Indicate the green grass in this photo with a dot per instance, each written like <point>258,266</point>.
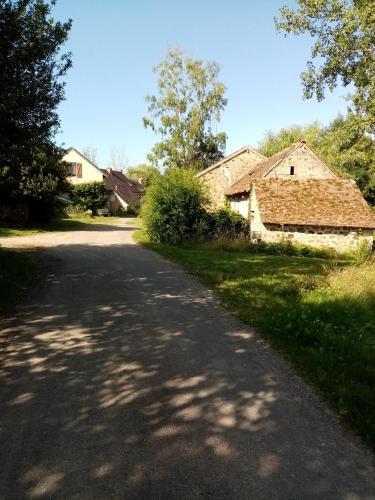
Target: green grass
<point>318,312</point>
<point>16,268</point>
<point>63,224</point>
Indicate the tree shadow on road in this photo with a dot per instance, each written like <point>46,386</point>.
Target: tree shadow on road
<point>125,379</point>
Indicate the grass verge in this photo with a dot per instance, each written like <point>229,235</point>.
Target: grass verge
<point>16,268</point>
<point>64,224</point>
<point>318,312</point>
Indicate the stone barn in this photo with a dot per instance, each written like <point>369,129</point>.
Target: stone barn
<point>295,162</point>
<point>321,213</point>
<point>219,176</point>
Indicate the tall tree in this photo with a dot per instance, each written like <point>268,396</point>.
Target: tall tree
<point>31,68</point>
<point>274,142</point>
<point>185,112</point>
<point>344,34</point>
<point>147,173</point>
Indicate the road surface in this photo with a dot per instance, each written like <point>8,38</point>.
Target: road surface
<point>122,377</point>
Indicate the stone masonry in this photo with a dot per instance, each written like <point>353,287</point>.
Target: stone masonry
<point>219,177</point>
<point>306,166</point>
<point>338,238</point>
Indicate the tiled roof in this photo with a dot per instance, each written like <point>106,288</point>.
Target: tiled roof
<point>327,202</point>
<point>259,171</point>
<point>129,190</point>
<point>229,157</point>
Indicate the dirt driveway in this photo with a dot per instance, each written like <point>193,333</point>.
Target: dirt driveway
<point>121,377</point>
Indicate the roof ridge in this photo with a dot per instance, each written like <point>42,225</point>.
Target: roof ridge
<point>72,148</point>
<point>229,157</point>
<point>316,202</point>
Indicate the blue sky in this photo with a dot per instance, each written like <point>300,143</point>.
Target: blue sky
<point>115,44</point>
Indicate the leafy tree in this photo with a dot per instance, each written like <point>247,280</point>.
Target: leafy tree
<point>30,91</point>
<point>344,45</point>
<point>350,151</point>
<point>185,111</point>
<point>276,141</point>
<point>174,207</point>
<point>89,196</point>
<point>148,173</point>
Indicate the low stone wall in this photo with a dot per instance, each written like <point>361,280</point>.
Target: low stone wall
<point>339,238</point>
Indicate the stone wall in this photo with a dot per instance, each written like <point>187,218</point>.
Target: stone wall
<point>339,238</point>
<point>306,166</point>
<point>221,177</point>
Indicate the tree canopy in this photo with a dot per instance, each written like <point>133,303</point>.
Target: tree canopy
<point>344,46</point>
<point>148,173</point>
<point>89,196</point>
<point>31,88</point>
<point>185,112</point>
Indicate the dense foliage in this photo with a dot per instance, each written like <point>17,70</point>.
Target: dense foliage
<point>347,150</point>
<point>344,46</point>
<point>185,112</point>
<point>148,174</point>
<point>89,196</point>
<point>225,224</point>
<point>174,212</point>
<point>30,90</point>
<point>173,207</point>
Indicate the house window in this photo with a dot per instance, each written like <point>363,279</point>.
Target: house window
<point>291,170</point>
<point>72,169</point>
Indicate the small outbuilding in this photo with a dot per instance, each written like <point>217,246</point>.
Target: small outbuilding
<point>294,195</point>
<point>322,213</point>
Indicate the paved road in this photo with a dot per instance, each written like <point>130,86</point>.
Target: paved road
<point>121,377</point>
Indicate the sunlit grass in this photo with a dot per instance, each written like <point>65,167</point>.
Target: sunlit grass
<point>61,224</point>
<point>319,312</point>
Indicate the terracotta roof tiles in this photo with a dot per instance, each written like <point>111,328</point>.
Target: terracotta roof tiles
<point>328,202</point>
<point>129,190</point>
<point>258,171</point>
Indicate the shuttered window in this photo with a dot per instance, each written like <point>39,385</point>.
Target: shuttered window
<point>72,169</point>
<point>79,170</point>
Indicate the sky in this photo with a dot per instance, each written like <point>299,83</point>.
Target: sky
<point>116,43</point>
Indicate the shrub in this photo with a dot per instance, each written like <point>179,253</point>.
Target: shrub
<point>173,210</point>
<point>227,224</point>
<point>243,244</point>
<point>75,211</point>
<point>89,196</point>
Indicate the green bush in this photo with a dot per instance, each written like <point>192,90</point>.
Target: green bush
<point>243,244</point>
<point>292,249</point>
<point>89,196</point>
<point>226,224</point>
<point>75,211</point>
<point>173,210</point>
